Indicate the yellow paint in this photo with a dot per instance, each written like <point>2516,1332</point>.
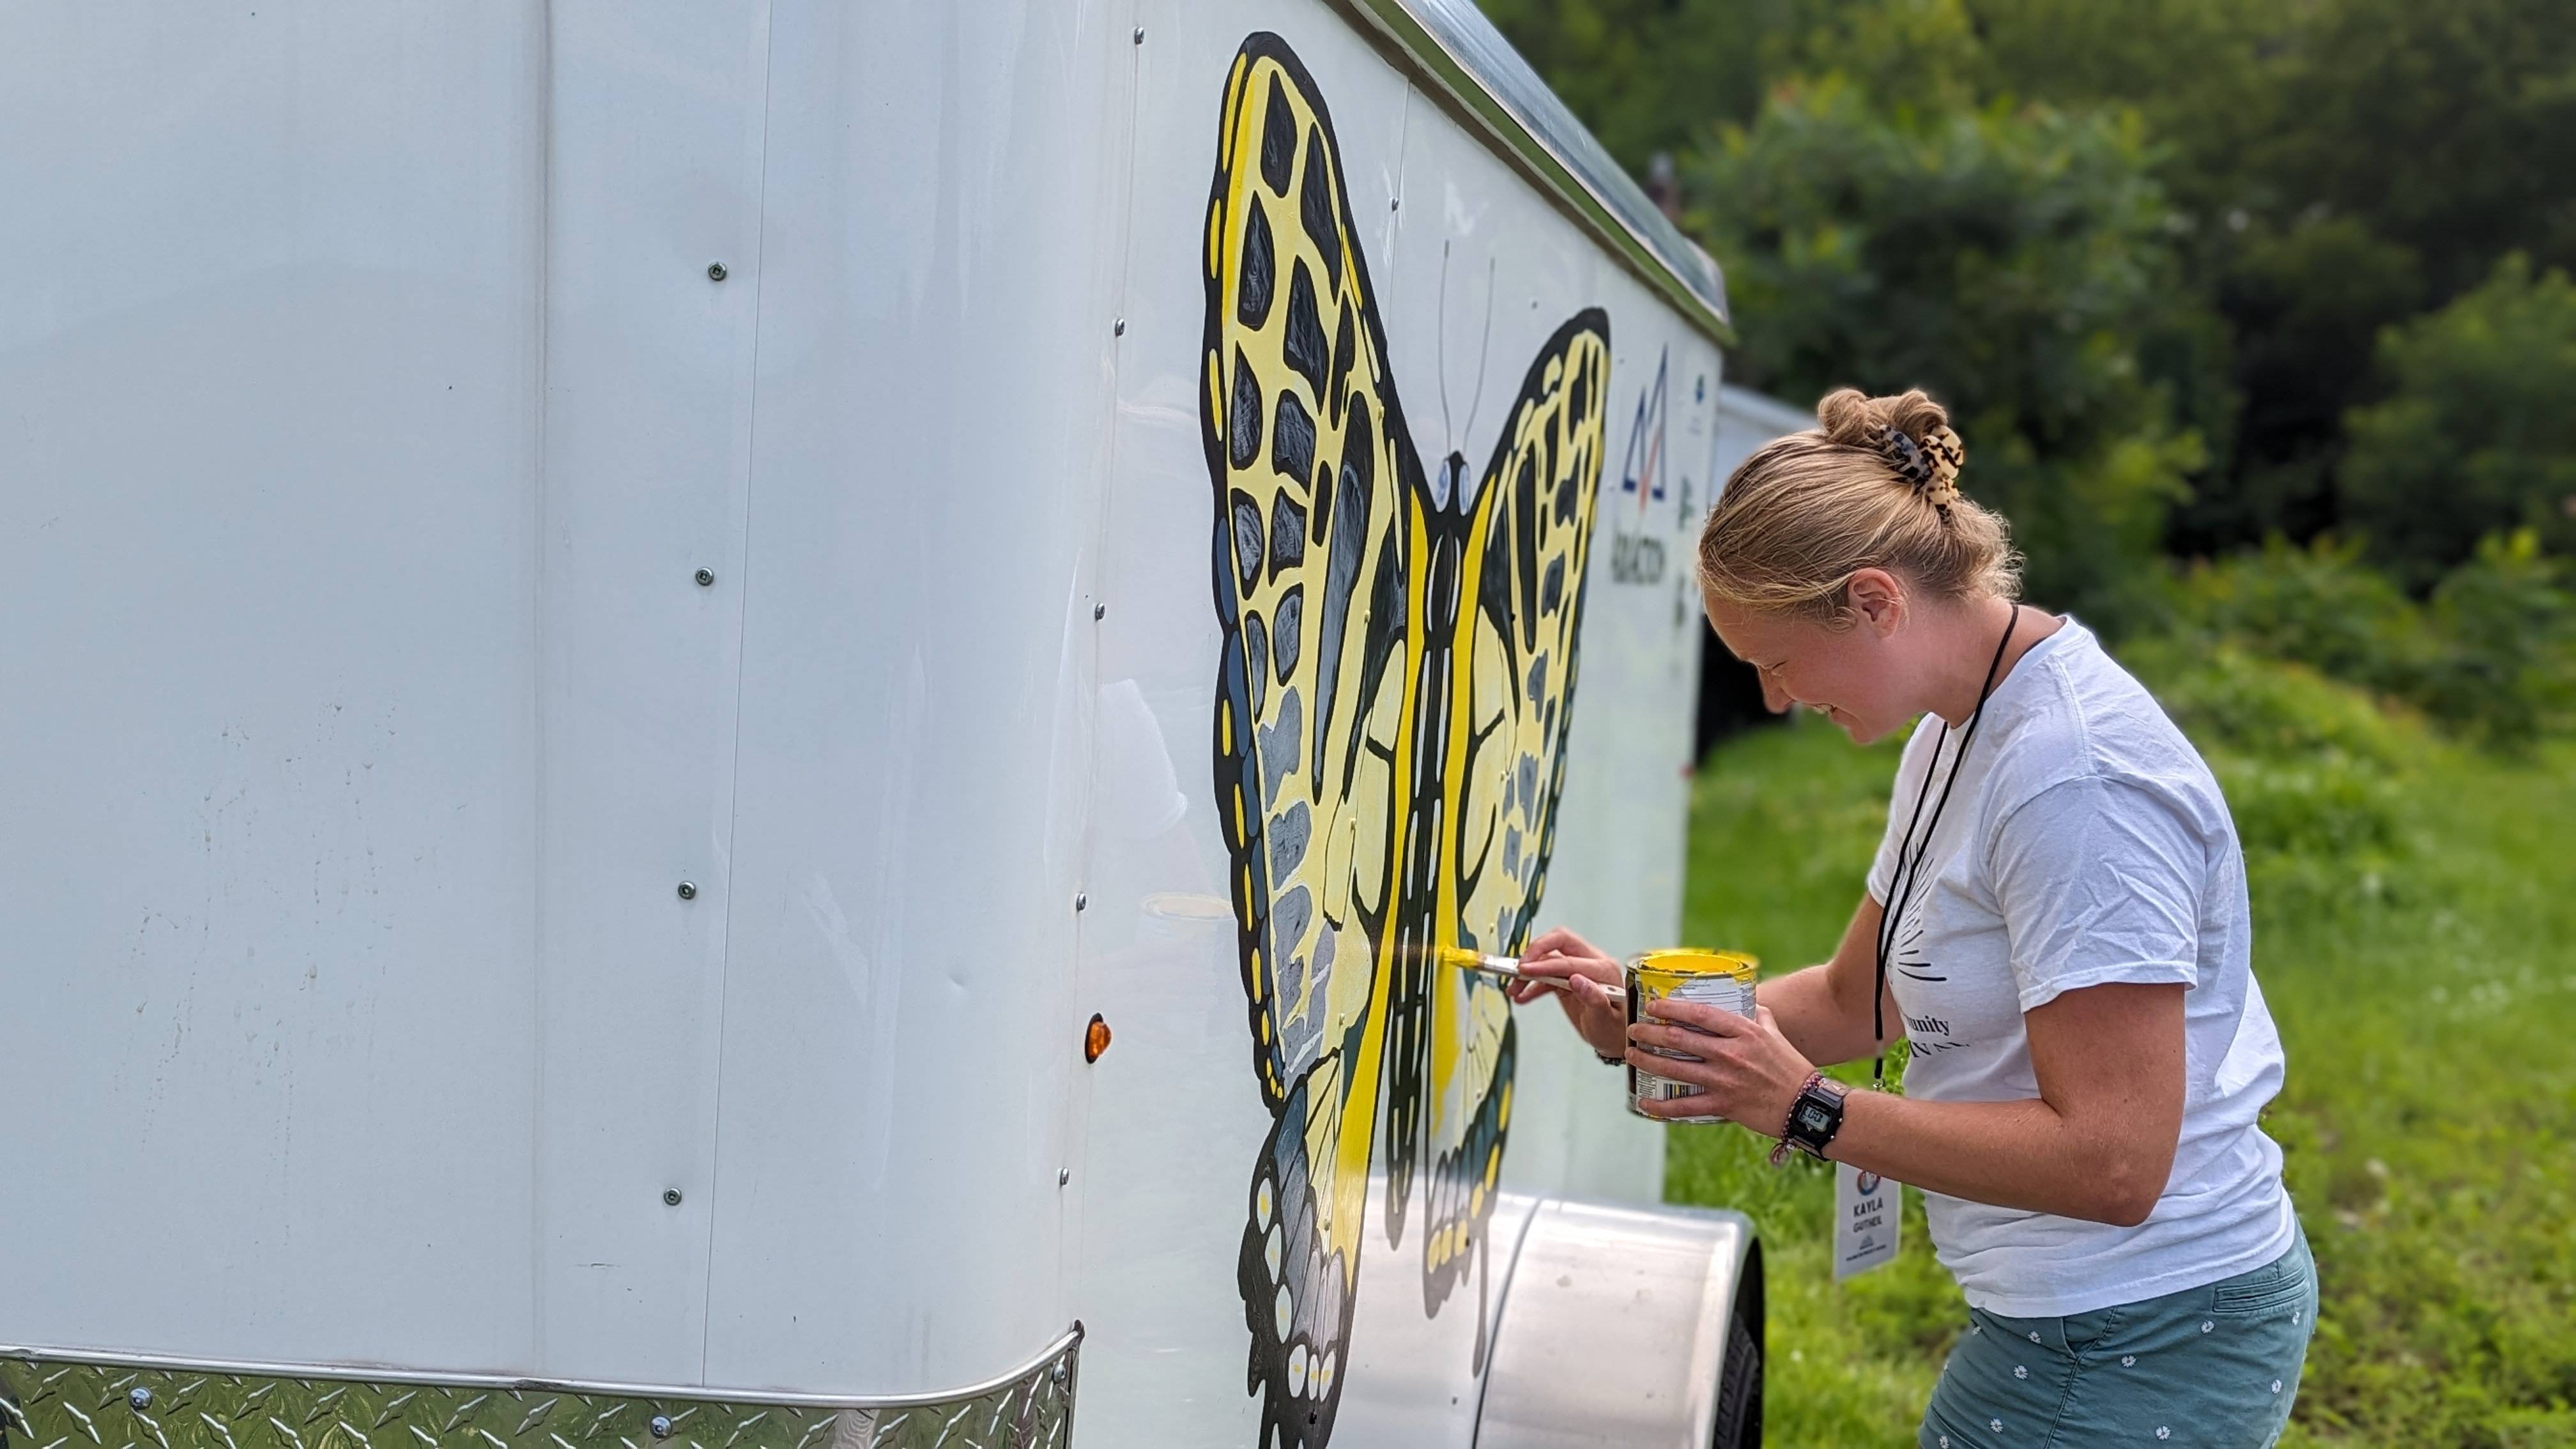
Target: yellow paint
<point>1660,973</point>
<point>1447,1040</point>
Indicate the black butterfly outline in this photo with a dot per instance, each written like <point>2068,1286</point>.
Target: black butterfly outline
<point>1392,606</point>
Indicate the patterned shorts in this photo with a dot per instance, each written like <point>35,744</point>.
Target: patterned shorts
<point>2214,1367</point>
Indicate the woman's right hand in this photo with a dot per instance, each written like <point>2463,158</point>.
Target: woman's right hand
<point>1595,995</point>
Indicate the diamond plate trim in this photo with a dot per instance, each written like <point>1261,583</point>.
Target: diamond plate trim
<point>52,1400</point>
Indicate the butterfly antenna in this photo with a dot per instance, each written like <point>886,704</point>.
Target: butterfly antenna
<point>1483,348</point>
<point>1440,330</point>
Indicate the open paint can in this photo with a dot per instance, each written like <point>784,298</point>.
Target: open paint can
<point>1710,978</point>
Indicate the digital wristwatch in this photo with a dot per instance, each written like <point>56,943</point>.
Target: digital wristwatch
<point>1816,1116</point>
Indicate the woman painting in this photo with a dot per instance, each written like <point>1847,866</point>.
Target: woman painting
<point>2056,926</point>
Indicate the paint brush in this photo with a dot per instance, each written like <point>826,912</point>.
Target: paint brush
<point>1500,968</point>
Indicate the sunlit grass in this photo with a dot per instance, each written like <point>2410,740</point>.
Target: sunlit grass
<point>2414,941</point>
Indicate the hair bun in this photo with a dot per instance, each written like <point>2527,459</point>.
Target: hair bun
<point>1910,433</point>
<point>1805,512</point>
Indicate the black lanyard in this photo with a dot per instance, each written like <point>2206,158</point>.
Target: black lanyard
<point>1909,872</point>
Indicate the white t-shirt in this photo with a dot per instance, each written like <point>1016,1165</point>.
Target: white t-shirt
<point>2085,842</point>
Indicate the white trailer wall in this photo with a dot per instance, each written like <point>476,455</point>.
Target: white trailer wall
<point>371,409</point>
<point>271,859</point>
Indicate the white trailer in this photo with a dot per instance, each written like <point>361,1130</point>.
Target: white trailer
<point>635,630</point>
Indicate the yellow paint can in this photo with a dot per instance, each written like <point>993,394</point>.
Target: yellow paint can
<point>1709,978</point>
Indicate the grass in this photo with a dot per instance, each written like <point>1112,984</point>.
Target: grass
<point>2414,909</point>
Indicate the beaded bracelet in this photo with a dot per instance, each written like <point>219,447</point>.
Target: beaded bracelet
<point>1781,1149</point>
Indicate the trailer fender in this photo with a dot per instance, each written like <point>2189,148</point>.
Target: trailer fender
<point>1628,1326</point>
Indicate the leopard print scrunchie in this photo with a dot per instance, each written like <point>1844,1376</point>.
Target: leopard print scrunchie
<point>1930,467</point>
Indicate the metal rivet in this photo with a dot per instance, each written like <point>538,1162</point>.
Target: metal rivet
<point>1140,35</point>
<point>1118,328</point>
<point>1100,611</point>
<point>660,1424</point>
<point>715,271</point>
<point>706,578</point>
<point>1081,901</point>
<point>1063,1175</point>
<point>1058,1374</point>
<point>670,1197</point>
<point>139,1400</point>
<point>688,891</point>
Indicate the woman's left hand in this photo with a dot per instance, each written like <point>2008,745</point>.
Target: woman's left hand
<point>1747,1072</point>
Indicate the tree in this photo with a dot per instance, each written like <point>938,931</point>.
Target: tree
<point>2449,129</point>
<point>2008,260</point>
<point>2301,306</point>
<point>1649,76</point>
<point>2329,168</point>
<point>2472,438</point>
<point>2339,165</point>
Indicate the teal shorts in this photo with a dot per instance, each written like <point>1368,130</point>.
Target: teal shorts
<point>2214,1367</point>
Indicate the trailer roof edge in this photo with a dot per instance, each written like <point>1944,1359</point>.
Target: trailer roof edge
<point>1451,44</point>
<point>1764,409</point>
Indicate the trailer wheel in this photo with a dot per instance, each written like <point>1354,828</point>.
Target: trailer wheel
<point>1739,1389</point>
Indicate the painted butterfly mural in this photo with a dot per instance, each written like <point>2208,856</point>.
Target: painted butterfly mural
<point>1391,719</point>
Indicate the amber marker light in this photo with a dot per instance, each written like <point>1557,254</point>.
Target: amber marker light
<point>1095,1038</point>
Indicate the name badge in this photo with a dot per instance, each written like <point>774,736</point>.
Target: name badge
<point>1868,1211</point>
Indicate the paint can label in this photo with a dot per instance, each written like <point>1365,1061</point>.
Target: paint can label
<point>1722,979</point>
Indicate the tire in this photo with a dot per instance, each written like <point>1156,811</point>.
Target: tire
<point>1739,1388</point>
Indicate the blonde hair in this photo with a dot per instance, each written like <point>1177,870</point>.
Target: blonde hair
<point>1874,485</point>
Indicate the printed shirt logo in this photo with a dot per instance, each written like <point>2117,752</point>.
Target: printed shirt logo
<point>1924,1035</point>
<point>1911,961</point>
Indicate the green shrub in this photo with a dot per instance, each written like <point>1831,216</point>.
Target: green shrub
<point>2319,605</point>
<point>2491,656</point>
<point>2506,671</point>
<point>2310,767</point>
<point>2325,810</point>
<point>2227,697</point>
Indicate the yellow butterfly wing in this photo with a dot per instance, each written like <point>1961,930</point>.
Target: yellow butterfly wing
<point>1390,721</point>
<point>1512,664</point>
<point>1311,463</point>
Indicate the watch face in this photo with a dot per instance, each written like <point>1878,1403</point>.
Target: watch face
<point>1813,1118</point>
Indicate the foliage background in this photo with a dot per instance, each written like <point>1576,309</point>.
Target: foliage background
<point>2256,317</point>
<point>2192,273</point>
